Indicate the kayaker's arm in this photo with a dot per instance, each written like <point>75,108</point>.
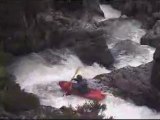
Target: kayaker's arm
<point>74,79</point>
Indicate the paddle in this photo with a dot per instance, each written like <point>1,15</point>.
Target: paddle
<point>77,70</point>
<point>74,76</point>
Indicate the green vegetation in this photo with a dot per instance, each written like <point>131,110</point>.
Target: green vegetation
<point>89,110</point>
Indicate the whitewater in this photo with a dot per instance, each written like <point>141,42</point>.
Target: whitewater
<point>38,73</point>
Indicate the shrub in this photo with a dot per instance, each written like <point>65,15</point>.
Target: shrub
<point>89,110</point>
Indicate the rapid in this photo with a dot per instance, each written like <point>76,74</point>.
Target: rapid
<point>39,73</point>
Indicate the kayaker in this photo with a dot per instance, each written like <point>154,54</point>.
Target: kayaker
<point>81,85</point>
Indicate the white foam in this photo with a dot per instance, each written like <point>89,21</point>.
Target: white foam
<point>135,59</point>
<point>36,77</point>
<point>119,109</point>
<point>109,12</point>
<point>129,30</point>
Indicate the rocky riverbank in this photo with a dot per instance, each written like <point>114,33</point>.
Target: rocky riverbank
<point>28,26</point>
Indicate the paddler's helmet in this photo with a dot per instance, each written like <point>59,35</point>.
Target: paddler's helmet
<point>79,77</point>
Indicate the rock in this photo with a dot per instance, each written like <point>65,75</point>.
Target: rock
<point>156,15</point>
<point>4,78</point>
<point>24,32</point>
<point>152,37</point>
<point>5,58</point>
<point>92,9</point>
<point>26,102</point>
<point>155,75</point>
<point>91,47</point>
<point>156,69</point>
<point>42,112</point>
<point>39,26</point>
<point>128,47</point>
<point>133,83</point>
<point>14,26</point>
<point>142,10</point>
<point>81,9</point>
<point>47,112</point>
<point>14,100</point>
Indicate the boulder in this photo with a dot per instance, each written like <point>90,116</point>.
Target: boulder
<point>133,83</point>
<point>142,10</point>
<point>155,76</point>
<point>14,100</point>
<point>90,46</point>
<point>152,37</point>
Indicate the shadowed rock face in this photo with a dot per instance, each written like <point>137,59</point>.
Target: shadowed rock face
<point>152,37</point>
<point>146,11</point>
<point>89,45</point>
<point>20,21</point>
<point>32,26</point>
<point>133,83</point>
<point>155,77</point>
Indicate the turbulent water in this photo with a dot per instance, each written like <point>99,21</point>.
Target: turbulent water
<point>39,73</point>
<point>125,46</point>
<point>109,12</point>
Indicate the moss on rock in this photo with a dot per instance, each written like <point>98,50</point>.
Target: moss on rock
<point>15,100</point>
<point>3,72</point>
<point>5,58</point>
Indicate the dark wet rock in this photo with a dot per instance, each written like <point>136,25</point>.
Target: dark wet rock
<point>40,26</point>
<point>155,77</point>
<point>128,47</point>
<point>152,37</point>
<point>87,111</point>
<point>15,100</point>
<point>92,9</point>
<point>21,31</point>
<point>85,39</point>
<point>42,112</point>
<point>133,83</point>
<point>91,47</point>
<point>156,55</point>
<point>12,98</point>
<point>81,9</point>
<point>143,10</point>
<point>5,58</point>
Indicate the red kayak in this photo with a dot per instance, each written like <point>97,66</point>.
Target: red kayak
<point>93,94</point>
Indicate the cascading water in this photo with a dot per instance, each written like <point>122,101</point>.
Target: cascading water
<point>109,12</point>
<point>126,47</point>
<point>39,73</point>
<point>124,40</point>
<point>35,76</point>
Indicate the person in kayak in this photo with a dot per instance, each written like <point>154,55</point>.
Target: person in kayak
<point>81,85</point>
